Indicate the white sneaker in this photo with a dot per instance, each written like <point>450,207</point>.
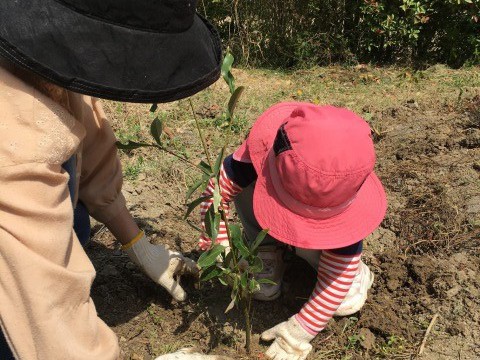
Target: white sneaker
<point>357,295</point>
<point>273,269</point>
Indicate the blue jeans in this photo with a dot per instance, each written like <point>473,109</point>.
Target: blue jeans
<point>81,225</point>
<point>81,219</point>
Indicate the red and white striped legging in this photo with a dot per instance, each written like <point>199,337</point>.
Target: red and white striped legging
<point>334,278</point>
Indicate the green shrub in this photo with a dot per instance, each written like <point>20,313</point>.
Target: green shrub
<point>309,32</point>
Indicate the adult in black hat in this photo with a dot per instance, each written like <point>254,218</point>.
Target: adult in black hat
<point>58,155</point>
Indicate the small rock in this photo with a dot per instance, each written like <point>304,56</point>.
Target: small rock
<point>453,291</point>
<point>138,191</point>
<point>412,104</point>
<point>109,270</point>
<point>473,205</point>
<point>400,154</point>
<point>393,284</point>
<point>122,339</point>
<point>135,356</point>
<point>367,339</point>
<point>141,177</point>
<point>456,328</point>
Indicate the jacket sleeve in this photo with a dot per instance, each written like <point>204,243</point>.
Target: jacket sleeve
<point>101,174</point>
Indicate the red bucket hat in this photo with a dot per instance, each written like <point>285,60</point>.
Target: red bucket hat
<point>316,188</point>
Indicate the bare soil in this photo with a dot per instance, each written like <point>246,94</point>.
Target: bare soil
<point>425,256</point>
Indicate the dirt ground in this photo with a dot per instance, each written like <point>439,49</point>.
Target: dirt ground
<point>425,255</point>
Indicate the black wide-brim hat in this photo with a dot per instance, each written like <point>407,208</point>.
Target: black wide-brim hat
<point>145,51</point>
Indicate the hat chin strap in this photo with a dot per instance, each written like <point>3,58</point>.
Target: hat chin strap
<point>296,206</point>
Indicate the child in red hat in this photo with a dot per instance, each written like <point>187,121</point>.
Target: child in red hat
<point>305,172</point>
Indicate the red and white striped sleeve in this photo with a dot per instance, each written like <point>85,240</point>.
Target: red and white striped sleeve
<point>334,278</point>
<point>228,190</point>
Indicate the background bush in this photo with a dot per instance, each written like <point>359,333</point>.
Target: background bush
<point>290,33</point>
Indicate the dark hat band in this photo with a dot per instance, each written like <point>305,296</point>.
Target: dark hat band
<point>282,142</point>
<point>165,16</point>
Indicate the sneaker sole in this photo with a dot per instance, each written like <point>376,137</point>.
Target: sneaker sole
<point>262,297</point>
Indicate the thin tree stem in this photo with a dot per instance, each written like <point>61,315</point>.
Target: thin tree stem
<point>200,133</point>
<point>246,313</point>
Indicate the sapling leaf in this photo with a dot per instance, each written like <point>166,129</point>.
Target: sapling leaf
<point>222,281</point>
<point>153,108</point>
<point>210,273</point>
<point>226,277</point>
<point>258,240</point>
<point>212,223</point>
<point>217,197</point>
<point>195,186</point>
<point>218,162</point>
<point>205,168</point>
<point>232,103</point>
<point>253,285</point>
<point>244,280</point>
<point>191,206</point>
<point>209,220</point>
<point>209,257</point>
<point>235,284</point>
<point>266,281</point>
<point>194,227</point>
<point>227,64</point>
<point>237,240</point>
<point>216,223</point>
<point>226,71</point>
<point>230,306</point>
<point>131,145</point>
<point>228,259</point>
<point>257,265</point>
<point>235,231</point>
<point>156,129</point>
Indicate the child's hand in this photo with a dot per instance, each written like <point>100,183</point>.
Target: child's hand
<point>291,341</point>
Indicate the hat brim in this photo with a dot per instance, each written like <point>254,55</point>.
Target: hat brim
<point>356,222</point>
<point>96,58</point>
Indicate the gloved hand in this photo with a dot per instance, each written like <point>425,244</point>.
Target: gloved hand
<point>291,341</point>
<point>160,264</point>
<point>228,190</point>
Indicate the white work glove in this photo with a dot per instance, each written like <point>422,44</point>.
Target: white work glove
<point>291,341</point>
<point>189,354</point>
<point>160,264</point>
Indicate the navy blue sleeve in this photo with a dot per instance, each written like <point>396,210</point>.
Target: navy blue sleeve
<point>353,249</point>
<point>243,174</point>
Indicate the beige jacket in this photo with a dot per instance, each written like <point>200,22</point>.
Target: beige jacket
<point>45,276</point>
